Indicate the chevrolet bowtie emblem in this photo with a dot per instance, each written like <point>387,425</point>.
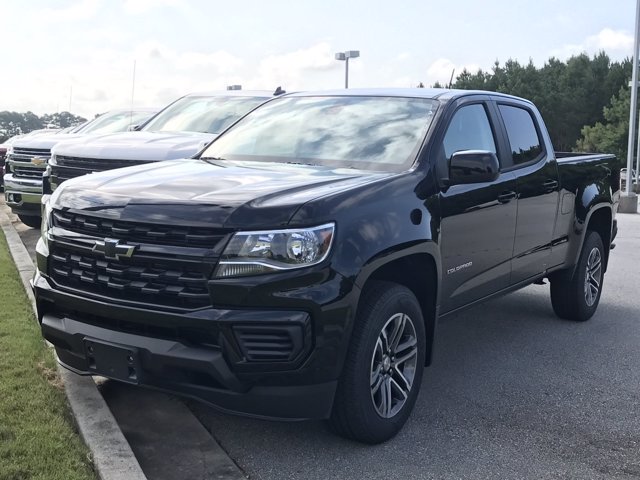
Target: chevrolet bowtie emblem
<point>38,160</point>
<point>112,248</point>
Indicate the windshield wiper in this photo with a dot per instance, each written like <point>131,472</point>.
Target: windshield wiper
<point>211,160</point>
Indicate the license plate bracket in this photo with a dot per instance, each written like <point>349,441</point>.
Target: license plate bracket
<point>113,361</point>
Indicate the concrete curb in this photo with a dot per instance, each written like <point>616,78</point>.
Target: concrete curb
<point>112,456</point>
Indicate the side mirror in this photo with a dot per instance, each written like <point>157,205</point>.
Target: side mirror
<point>473,166</point>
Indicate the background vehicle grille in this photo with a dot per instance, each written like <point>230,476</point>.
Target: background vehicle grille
<point>20,162</point>
<point>139,232</point>
<point>145,279</point>
<point>27,153</point>
<point>70,167</point>
<point>27,171</point>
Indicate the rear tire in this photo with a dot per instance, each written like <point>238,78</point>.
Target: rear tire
<point>31,220</point>
<point>383,369</point>
<point>577,297</point>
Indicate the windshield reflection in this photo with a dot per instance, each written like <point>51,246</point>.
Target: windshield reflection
<point>112,122</point>
<point>357,132</point>
<point>202,114</point>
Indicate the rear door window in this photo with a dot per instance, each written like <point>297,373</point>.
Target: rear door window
<point>522,133</point>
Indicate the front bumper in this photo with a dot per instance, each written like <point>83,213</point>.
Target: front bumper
<point>23,195</point>
<point>213,370</point>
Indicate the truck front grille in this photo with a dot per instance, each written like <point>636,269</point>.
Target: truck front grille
<point>25,171</point>
<point>28,153</point>
<point>140,278</point>
<point>28,162</point>
<point>179,236</point>
<point>70,167</point>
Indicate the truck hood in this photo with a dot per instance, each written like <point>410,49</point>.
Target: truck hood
<point>45,141</point>
<point>144,146</point>
<point>198,192</point>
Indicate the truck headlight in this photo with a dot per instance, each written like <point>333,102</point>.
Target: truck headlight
<point>254,253</point>
<point>46,221</point>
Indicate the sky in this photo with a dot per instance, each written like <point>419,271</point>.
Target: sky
<point>79,55</point>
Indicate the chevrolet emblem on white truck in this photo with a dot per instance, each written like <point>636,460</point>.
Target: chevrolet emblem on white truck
<point>112,248</point>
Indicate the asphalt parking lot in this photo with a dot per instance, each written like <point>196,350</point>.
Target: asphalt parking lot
<point>514,392</point>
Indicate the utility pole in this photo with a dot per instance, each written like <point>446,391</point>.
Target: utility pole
<point>133,89</point>
<point>628,199</point>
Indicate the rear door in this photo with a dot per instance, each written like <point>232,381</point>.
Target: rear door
<point>477,221</point>
<point>534,165</point>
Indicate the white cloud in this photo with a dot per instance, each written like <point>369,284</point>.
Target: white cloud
<point>405,82</point>
<point>611,41</point>
<point>218,62</point>
<point>441,70</point>
<point>290,68</point>
<point>136,7</point>
<point>79,11</point>
<point>221,61</point>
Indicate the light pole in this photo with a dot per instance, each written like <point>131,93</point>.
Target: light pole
<point>628,199</point>
<point>346,56</point>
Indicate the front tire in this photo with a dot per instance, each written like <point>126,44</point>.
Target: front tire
<point>32,221</point>
<point>577,297</point>
<point>383,369</point>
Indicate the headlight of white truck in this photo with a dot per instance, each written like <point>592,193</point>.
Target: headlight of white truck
<point>46,222</point>
<point>254,253</point>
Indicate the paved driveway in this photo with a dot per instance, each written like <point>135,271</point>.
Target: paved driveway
<point>514,392</point>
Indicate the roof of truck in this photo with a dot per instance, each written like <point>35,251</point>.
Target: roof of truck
<point>234,93</point>
<point>445,94</point>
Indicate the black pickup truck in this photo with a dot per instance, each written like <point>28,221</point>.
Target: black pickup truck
<point>297,268</point>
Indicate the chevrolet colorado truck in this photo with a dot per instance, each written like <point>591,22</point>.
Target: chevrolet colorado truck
<point>27,160</point>
<point>297,268</point>
<point>181,130</point>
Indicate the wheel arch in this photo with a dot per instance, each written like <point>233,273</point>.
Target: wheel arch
<point>417,269</point>
<point>601,221</point>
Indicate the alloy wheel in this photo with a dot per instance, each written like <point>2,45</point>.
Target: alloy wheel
<point>593,276</point>
<point>393,365</point>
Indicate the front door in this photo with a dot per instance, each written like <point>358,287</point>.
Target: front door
<point>478,221</point>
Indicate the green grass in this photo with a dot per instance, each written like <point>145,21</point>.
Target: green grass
<point>38,439</point>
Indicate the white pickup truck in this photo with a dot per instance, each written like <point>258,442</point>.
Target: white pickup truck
<point>181,130</point>
<point>27,159</point>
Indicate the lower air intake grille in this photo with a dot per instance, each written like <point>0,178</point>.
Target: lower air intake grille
<point>270,343</point>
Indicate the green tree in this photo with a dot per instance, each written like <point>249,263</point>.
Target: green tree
<point>15,123</point>
<point>569,94</point>
<point>610,136</point>
<point>63,119</point>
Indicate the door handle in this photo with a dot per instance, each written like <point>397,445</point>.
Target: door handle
<point>506,197</point>
<point>550,185</point>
